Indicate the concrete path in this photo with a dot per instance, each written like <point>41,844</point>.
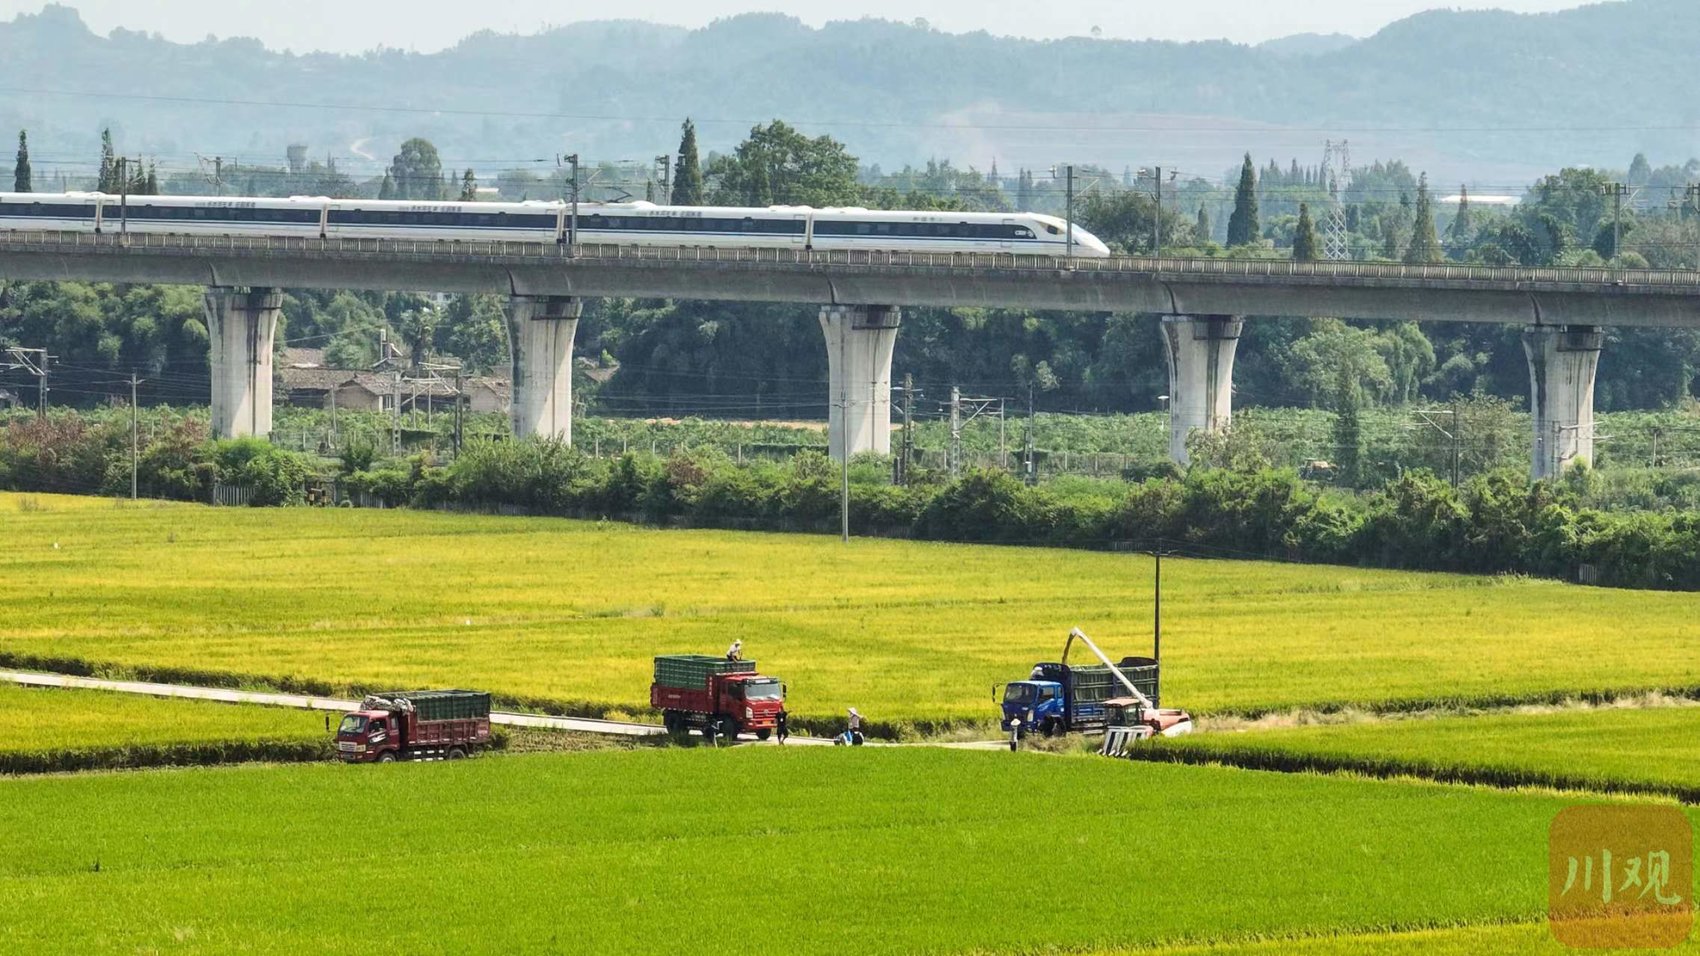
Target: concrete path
<point>584,725</point>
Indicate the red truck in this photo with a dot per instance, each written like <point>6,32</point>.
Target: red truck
<point>715,695</point>
<point>415,725</point>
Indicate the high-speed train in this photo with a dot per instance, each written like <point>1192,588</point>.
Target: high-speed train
<point>636,223</point>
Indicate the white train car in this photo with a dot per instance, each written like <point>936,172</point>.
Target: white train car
<point>638,223</point>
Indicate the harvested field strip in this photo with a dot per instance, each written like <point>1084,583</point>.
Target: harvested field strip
<point>596,852</point>
<point>1603,749</point>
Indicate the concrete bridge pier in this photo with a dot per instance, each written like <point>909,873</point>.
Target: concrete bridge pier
<point>1562,363</point>
<point>540,344</point>
<point>241,327</point>
<point>1200,349</point>
<point>859,344</point>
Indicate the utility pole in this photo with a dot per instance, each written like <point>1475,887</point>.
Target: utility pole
<point>1457,444</point>
<point>1032,471</point>
<point>844,436</point>
<point>1617,191</point>
<point>1157,620</point>
<point>395,414</point>
<point>460,401</point>
<point>135,431</point>
<point>572,226</point>
<point>908,429</point>
<point>1071,210</point>
<point>955,431</point>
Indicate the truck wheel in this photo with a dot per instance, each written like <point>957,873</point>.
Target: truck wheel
<point>764,733</point>
<point>1052,727</point>
<point>387,756</point>
<point>455,753</point>
<point>673,722</point>
<point>730,730</point>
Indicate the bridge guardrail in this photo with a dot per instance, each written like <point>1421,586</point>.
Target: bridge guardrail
<point>507,251</point>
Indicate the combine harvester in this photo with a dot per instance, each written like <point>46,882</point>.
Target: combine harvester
<point>1061,699</point>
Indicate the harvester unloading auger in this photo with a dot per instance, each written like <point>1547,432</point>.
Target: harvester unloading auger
<point>1131,718</point>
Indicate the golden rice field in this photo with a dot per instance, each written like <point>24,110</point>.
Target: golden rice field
<point>571,612</point>
<point>36,719</point>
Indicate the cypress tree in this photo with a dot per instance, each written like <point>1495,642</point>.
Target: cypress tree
<point>1348,427</point>
<point>468,186</point>
<point>386,190</point>
<point>150,182</point>
<point>1463,226</point>
<point>1389,237</point>
<point>21,175</point>
<point>1201,228</point>
<point>1024,192</point>
<point>1306,246</point>
<point>108,164</point>
<point>687,170</point>
<point>1242,225</point>
<point>1425,244</point>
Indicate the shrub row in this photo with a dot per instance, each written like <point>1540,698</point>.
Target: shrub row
<point>1495,523</point>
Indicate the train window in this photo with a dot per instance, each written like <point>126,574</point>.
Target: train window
<point>1022,232</point>
<point>1053,230</point>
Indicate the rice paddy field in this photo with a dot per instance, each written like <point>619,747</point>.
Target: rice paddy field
<point>569,613</point>
<point>1651,748</point>
<point>798,850</point>
<point>34,719</point>
<point>753,849</point>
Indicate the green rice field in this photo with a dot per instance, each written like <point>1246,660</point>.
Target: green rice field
<point>34,719</point>
<point>814,851</point>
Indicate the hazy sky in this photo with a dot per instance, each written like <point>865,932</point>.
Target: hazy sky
<point>353,25</point>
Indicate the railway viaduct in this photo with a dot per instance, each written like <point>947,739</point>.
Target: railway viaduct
<point>1204,304</point>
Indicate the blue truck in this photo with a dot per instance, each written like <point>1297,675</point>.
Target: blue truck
<point>1058,698</point>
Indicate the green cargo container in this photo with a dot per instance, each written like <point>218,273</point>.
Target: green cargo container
<point>435,705</point>
<point>693,670</point>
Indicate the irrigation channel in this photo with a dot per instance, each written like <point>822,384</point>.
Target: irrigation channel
<point>583,725</point>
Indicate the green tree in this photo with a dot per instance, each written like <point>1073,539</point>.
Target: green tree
<point>779,165</point>
<point>1242,225</point>
<point>687,170</point>
<point>386,189</point>
<point>1348,430</point>
<point>418,171</point>
<point>108,176</point>
<point>1425,244</point>
<point>1463,228</point>
<point>22,178</point>
<point>1306,246</point>
<point>1201,227</point>
<point>468,186</point>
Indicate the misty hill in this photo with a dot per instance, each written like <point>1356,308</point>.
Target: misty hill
<point>1490,96</point>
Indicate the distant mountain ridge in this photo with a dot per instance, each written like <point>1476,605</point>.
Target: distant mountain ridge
<point>1462,94</point>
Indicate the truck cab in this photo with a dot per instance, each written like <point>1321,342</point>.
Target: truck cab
<point>753,700</point>
<point>368,735</point>
<point>1037,704</point>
